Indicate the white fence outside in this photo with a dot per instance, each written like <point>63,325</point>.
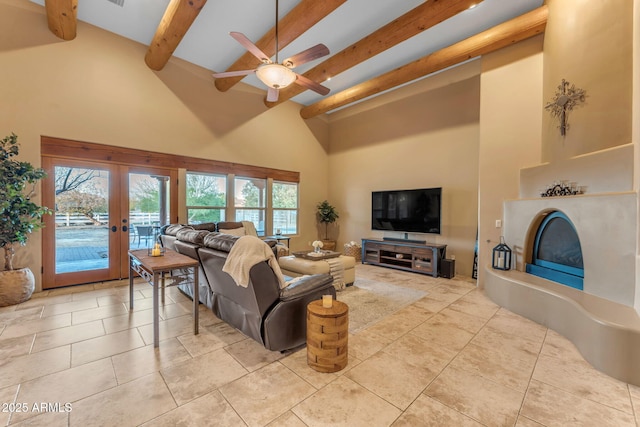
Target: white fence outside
<point>74,220</point>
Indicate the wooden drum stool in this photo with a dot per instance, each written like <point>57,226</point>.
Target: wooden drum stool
<point>327,336</point>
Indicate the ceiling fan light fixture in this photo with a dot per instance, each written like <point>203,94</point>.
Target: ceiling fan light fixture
<point>276,76</point>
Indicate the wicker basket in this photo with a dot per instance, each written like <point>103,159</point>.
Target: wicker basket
<point>354,251</point>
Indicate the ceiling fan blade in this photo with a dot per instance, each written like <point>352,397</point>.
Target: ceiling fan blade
<point>272,94</point>
<point>310,84</point>
<point>315,52</point>
<point>248,44</point>
<point>233,73</point>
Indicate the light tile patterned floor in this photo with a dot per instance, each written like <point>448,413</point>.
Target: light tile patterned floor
<point>452,358</point>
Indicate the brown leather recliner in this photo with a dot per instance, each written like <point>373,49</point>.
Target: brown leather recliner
<point>186,240</point>
<point>274,317</point>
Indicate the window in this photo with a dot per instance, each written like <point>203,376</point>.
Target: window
<point>270,205</point>
<point>206,198</point>
<point>250,201</point>
<point>284,203</point>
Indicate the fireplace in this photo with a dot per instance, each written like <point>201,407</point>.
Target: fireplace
<point>595,241</point>
<point>601,318</point>
<point>606,225</point>
<point>556,253</point>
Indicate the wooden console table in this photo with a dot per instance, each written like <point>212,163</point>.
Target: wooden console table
<point>153,269</point>
<point>416,257</point>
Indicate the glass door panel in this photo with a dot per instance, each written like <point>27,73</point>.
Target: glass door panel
<point>82,219</point>
<point>80,238</point>
<point>148,207</point>
<point>101,212</point>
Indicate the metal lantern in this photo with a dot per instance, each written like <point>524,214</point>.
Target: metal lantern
<point>501,259</point>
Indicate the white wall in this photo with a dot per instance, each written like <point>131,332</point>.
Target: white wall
<point>510,120</point>
<point>423,135</point>
<point>635,114</point>
<point>589,43</point>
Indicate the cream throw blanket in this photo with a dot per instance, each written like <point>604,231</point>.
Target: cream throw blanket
<point>244,254</point>
<point>336,269</point>
<point>249,228</point>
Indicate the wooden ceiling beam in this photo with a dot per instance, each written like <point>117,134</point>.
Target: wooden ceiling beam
<point>518,29</point>
<point>417,20</point>
<point>175,23</point>
<point>62,17</point>
<point>303,16</point>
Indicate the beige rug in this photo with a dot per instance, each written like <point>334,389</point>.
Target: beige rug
<point>370,301</point>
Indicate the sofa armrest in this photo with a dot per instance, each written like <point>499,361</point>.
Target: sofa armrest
<point>306,285</point>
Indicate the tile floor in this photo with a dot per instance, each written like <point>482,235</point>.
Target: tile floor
<point>77,356</point>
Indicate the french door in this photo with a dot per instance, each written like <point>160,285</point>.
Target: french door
<point>100,211</point>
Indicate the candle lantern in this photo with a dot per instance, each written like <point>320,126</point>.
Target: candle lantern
<point>501,259</point>
<point>155,248</point>
<point>327,301</point>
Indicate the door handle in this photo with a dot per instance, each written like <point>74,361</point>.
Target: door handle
<point>124,228</point>
<point>114,228</point>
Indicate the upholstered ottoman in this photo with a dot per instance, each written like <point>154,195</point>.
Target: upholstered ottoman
<point>294,266</point>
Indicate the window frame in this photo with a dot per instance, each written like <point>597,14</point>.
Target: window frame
<point>273,209</point>
<point>223,208</point>
<point>262,210</point>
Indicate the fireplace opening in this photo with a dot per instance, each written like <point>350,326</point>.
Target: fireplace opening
<point>557,254</point>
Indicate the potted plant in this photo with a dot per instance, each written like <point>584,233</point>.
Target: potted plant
<point>327,214</point>
<point>19,216</point>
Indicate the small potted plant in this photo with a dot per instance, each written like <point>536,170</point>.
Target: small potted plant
<point>327,214</point>
<point>19,216</point>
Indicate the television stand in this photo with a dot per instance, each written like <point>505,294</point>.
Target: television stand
<point>404,255</point>
<point>405,239</point>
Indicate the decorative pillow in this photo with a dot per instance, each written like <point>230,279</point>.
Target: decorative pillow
<point>233,231</point>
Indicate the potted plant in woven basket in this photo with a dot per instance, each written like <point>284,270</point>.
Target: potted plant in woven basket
<point>327,214</point>
<point>19,216</point>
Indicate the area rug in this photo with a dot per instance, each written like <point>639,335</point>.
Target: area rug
<point>370,301</point>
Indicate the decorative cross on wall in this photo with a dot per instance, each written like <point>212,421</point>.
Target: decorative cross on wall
<point>566,97</point>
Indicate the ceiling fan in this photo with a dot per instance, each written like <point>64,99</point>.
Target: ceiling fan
<point>277,75</point>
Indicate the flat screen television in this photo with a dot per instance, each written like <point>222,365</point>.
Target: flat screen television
<point>410,211</point>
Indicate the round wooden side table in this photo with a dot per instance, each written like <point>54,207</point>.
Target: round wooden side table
<point>327,336</point>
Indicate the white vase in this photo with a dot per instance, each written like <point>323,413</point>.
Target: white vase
<point>16,286</point>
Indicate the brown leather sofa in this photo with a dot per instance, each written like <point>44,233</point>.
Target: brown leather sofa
<point>274,317</point>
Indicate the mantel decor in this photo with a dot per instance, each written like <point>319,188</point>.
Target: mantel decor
<point>562,189</point>
<point>566,98</point>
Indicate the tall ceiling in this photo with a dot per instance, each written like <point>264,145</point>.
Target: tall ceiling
<point>207,42</point>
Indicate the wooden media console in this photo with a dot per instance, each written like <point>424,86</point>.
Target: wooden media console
<point>417,257</point>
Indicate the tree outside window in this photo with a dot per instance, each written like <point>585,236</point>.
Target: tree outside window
<point>285,207</point>
<point>250,201</point>
<point>82,192</point>
<point>206,198</point>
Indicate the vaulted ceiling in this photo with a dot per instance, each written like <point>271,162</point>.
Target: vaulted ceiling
<point>375,45</point>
